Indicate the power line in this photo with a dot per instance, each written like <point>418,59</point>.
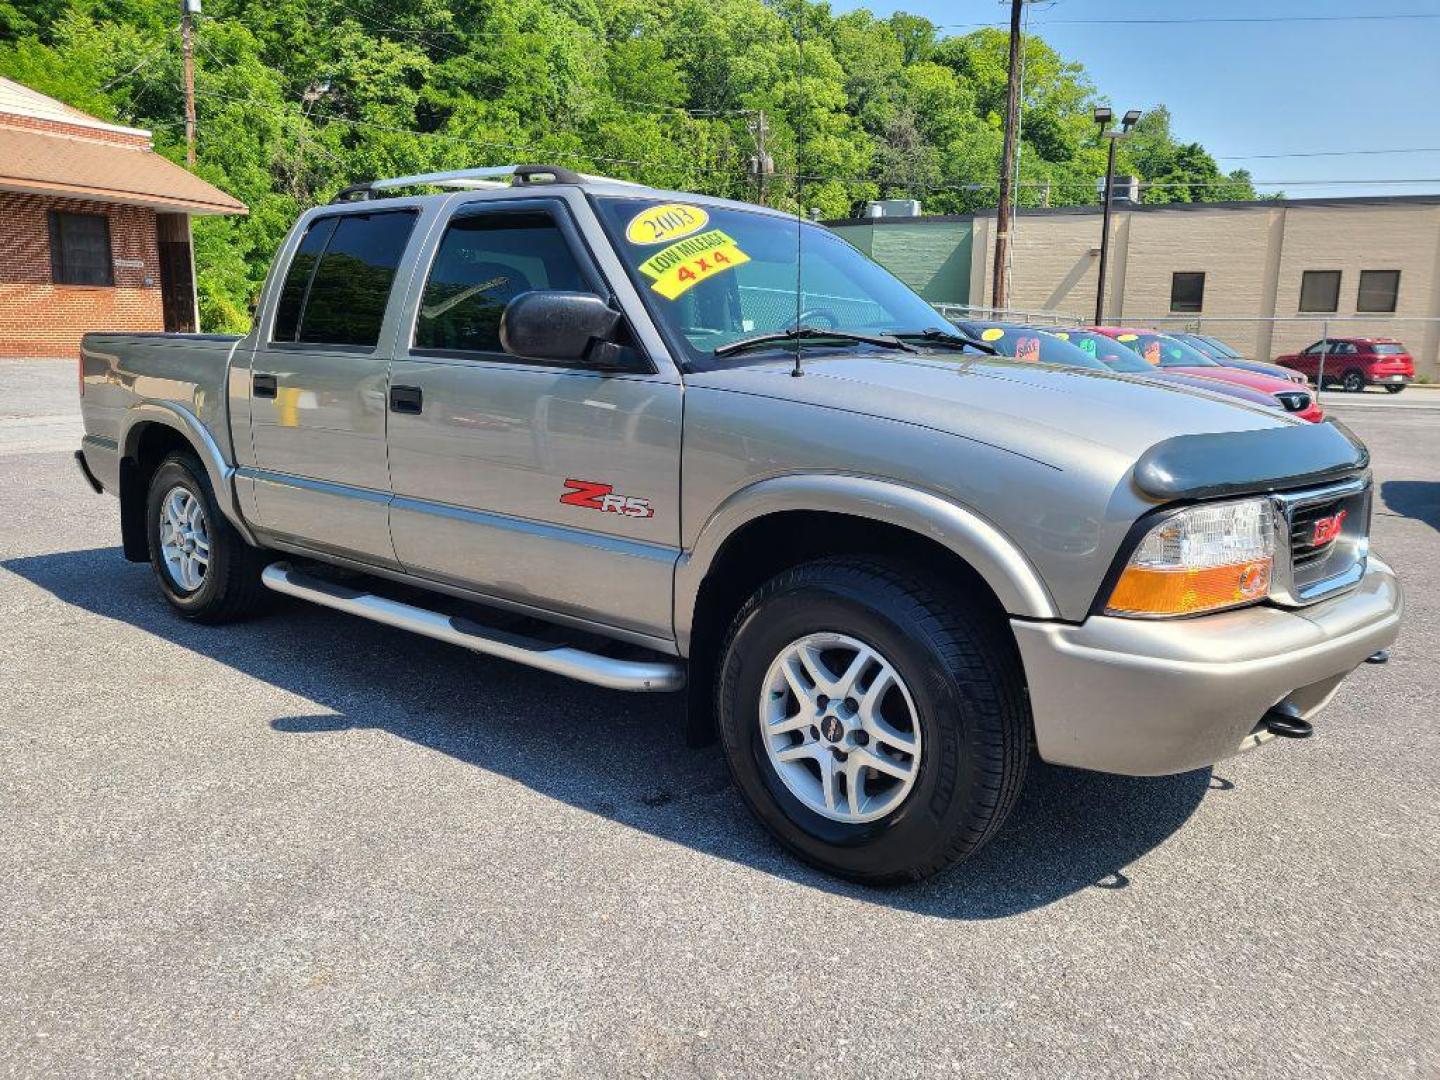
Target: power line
<point>1211,19</point>
<point>1328,153</point>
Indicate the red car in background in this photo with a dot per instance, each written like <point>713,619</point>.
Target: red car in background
<point>1165,352</point>
<point>1355,363</point>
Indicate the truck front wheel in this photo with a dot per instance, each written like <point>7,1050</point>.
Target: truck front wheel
<point>875,722</point>
<point>205,569</point>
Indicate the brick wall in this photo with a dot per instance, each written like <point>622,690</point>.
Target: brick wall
<point>40,318</point>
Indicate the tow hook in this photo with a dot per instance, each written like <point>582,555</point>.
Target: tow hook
<point>1284,721</point>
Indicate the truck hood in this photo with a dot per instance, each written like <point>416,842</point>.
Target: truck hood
<point>1041,411</point>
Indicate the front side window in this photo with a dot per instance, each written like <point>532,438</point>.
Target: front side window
<point>484,261</point>
<point>1379,290</point>
<point>80,249</point>
<point>1187,291</point>
<point>714,275</point>
<point>338,284</point>
<point>1320,290</point>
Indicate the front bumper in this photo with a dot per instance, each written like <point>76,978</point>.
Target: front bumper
<point>1146,698</point>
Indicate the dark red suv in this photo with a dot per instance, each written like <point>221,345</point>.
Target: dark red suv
<point>1355,363</point>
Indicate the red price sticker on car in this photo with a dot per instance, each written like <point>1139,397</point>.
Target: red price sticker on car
<point>682,266</point>
<point>1028,348</point>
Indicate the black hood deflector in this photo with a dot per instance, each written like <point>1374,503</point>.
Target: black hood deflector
<point>1250,462</point>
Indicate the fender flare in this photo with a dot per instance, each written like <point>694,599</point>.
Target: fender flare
<point>178,418</point>
<point>992,554</point>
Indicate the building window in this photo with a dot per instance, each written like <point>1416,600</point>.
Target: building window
<point>80,249</point>
<point>1379,290</point>
<point>1187,291</point>
<point>1320,290</point>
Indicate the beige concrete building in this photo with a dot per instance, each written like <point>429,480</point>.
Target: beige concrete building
<point>1366,264</point>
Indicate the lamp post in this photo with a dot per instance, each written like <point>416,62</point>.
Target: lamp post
<point>1103,116</point>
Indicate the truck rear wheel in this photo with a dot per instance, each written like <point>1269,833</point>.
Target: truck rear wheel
<point>205,568</point>
<point>875,723</point>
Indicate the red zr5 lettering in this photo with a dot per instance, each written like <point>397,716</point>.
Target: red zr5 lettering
<point>593,495</point>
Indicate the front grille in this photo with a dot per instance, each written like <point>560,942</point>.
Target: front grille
<point>1328,538</point>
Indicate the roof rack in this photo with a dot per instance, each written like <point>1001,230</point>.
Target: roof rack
<point>495,176</point>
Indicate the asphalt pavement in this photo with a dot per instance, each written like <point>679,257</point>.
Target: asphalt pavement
<point>311,846</point>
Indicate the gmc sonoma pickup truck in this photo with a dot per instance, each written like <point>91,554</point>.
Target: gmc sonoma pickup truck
<point>656,441</point>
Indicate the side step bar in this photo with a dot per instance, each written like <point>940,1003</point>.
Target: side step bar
<point>642,675</point>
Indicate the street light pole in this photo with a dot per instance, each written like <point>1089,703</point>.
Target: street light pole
<point>1103,116</point>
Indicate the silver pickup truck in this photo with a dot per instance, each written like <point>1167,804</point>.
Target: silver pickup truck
<point>656,441</point>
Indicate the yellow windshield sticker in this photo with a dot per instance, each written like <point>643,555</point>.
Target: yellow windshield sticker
<point>1128,337</point>
<point>1062,335</point>
<point>683,265</point>
<point>661,224</point>
<point>993,334</point>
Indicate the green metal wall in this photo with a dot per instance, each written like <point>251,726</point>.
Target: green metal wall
<point>931,256</point>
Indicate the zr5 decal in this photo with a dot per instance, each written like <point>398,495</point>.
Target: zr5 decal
<point>602,497</point>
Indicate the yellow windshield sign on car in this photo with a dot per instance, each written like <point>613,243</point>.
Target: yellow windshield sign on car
<point>669,221</point>
<point>1128,337</point>
<point>992,334</point>
<point>683,265</point>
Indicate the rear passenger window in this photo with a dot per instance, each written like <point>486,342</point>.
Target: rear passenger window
<point>351,285</point>
<point>485,261</point>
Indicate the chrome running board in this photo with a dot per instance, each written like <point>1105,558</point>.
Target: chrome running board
<point>641,675</point>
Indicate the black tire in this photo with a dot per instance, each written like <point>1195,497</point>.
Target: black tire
<point>1392,389</point>
<point>1353,381</point>
<point>967,685</point>
<point>231,587</point>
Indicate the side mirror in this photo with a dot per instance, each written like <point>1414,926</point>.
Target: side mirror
<point>552,325</point>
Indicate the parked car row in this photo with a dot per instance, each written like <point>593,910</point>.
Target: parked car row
<point>1162,357</point>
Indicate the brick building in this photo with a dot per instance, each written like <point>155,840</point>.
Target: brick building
<point>94,228</point>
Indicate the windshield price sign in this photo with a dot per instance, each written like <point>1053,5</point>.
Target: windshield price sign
<point>682,266</point>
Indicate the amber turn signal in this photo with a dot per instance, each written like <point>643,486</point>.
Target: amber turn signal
<point>1143,590</point>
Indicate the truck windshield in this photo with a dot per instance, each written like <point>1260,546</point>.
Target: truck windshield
<point>715,275</point>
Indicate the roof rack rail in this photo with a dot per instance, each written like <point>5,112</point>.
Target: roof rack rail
<point>494,176</point>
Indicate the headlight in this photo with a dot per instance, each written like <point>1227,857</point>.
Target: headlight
<point>1204,558</point>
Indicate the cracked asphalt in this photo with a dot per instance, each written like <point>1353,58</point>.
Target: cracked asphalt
<point>311,846</point>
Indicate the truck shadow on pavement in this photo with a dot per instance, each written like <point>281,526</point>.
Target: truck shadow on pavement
<point>1418,499</point>
<point>621,755</point>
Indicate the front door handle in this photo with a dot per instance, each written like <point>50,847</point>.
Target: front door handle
<point>405,399</point>
<point>265,385</point>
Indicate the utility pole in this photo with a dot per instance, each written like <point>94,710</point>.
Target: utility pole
<point>187,48</point>
<point>762,165</point>
<point>1007,162</point>
<point>1103,116</point>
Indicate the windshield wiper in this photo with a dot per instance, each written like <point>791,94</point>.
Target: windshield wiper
<point>935,336</point>
<point>808,333</point>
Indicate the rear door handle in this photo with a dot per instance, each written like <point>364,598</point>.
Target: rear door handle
<point>405,399</point>
<point>265,385</point>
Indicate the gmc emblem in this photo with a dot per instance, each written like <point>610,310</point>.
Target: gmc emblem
<point>1327,529</point>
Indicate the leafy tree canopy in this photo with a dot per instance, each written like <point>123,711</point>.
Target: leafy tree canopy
<point>297,98</point>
